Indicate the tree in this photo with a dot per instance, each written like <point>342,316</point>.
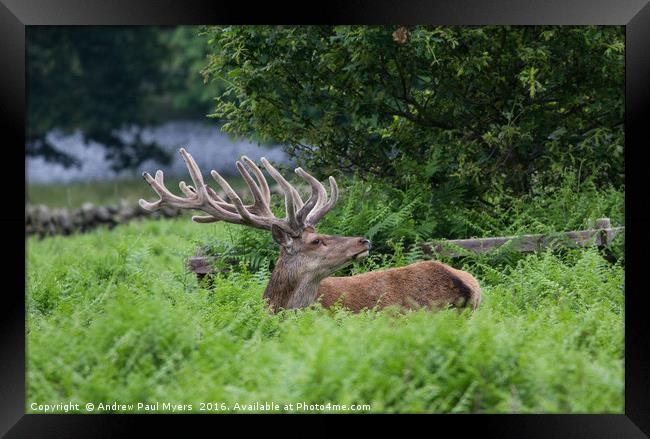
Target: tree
<point>97,80</point>
<point>474,108</point>
<point>191,93</point>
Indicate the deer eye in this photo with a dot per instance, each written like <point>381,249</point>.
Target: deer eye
<point>316,241</point>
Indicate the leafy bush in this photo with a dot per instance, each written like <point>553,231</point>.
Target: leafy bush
<point>466,108</point>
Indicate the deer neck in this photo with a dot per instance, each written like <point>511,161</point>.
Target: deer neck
<point>288,287</point>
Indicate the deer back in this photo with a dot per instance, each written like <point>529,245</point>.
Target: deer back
<point>428,284</point>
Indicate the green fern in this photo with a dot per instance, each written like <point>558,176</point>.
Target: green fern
<point>418,214</point>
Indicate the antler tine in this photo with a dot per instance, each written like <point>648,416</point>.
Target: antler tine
<point>195,174</point>
<point>317,198</point>
<point>187,190</point>
<point>297,200</point>
<point>191,192</point>
<point>220,201</point>
<point>263,185</point>
<point>319,212</point>
<point>260,222</point>
<point>166,197</point>
<point>197,197</point>
<point>216,199</point>
<point>232,195</point>
<point>208,196</point>
<point>289,196</point>
<point>260,206</point>
<point>202,197</point>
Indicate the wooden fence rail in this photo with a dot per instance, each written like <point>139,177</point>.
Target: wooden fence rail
<point>601,235</point>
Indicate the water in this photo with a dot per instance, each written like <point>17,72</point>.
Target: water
<point>211,149</point>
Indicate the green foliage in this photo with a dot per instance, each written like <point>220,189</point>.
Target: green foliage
<point>468,109</point>
<point>243,249</point>
<point>191,93</point>
<point>397,220</point>
<point>570,204</point>
<point>523,122</point>
<point>100,79</point>
<point>114,316</point>
<point>97,80</point>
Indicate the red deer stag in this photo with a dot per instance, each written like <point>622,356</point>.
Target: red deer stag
<point>307,257</point>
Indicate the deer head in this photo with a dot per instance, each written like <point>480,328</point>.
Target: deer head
<point>306,256</point>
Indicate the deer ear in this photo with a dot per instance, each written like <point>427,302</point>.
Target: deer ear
<point>280,236</point>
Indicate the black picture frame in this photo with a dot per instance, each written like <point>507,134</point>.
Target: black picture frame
<point>15,15</point>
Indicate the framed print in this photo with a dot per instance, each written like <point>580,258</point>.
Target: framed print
<point>430,209</point>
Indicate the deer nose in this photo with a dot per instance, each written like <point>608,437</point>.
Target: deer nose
<point>366,242</point>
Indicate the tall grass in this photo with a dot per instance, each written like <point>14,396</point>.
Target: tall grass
<point>115,316</point>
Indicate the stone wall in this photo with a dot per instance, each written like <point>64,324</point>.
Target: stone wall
<point>43,220</point>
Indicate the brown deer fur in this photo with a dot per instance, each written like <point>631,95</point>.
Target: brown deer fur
<point>301,277</point>
<point>422,284</point>
<point>307,258</point>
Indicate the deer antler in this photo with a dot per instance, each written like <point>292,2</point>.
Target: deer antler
<point>202,197</point>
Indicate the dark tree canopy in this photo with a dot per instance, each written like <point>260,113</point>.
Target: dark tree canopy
<point>95,79</point>
<point>100,79</point>
<point>473,107</point>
